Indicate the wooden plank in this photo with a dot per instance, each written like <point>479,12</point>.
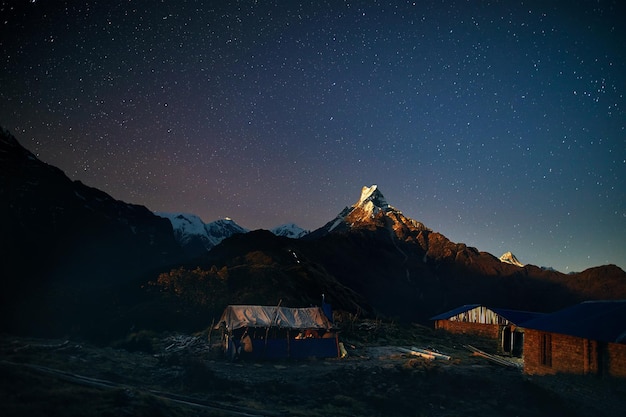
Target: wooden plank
<point>416,353</point>
<point>495,359</point>
<point>437,355</point>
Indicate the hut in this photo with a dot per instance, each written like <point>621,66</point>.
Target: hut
<point>273,332</point>
<point>587,338</point>
<point>499,324</point>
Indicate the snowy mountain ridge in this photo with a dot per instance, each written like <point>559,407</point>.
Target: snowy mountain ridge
<point>509,258</point>
<point>290,230</point>
<point>191,231</point>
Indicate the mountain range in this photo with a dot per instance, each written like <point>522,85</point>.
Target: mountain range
<point>75,260</point>
<point>196,237</point>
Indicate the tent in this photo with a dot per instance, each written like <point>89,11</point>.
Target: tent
<point>271,332</point>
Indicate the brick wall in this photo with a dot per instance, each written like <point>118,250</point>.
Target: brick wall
<point>567,354</point>
<point>571,355</point>
<point>617,359</point>
<point>485,330</point>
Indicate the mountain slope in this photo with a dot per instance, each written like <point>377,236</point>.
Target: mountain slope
<point>373,260</point>
<point>78,261</point>
<point>63,241</point>
<point>402,268</point>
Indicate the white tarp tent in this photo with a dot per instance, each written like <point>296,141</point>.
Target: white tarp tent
<point>238,316</point>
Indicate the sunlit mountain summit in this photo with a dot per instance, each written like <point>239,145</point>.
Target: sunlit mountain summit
<point>372,211</point>
<point>509,258</point>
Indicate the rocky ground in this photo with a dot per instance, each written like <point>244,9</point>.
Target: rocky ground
<point>180,375</point>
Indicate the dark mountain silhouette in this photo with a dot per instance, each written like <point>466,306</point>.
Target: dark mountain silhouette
<point>75,260</point>
<point>66,246</point>
<point>398,268</point>
<point>406,269</point>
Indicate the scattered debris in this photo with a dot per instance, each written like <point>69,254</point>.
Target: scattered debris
<point>178,343</point>
<point>370,325</point>
<point>437,355</point>
<point>424,353</point>
<point>414,353</point>
<point>493,358</point>
<point>39,346</point>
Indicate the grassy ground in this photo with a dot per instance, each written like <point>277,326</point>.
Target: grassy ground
<point>180,375</point>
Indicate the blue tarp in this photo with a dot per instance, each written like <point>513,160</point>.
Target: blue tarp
<point>292,348</point>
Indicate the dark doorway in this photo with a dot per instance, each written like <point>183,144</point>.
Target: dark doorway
<point>518,344</point>
<point>506,340</point>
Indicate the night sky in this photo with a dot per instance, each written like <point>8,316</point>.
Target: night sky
<point>498,124</point>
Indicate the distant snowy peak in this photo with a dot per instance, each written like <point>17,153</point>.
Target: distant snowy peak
<point>290,230</point>
<point>509,258</point>
<point>219,230</point>
<point>185,226</point>
<point>193,234</point>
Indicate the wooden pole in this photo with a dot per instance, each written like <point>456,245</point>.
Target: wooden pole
<point>210,331</point>
<point>267,331</point>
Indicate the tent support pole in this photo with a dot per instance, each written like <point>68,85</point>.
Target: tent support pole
<point>211,331</point>
<point>267,331</point>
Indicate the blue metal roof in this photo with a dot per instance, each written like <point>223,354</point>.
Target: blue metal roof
<point>454,312</point>
<point>604,321</point>
<point>516,317</point>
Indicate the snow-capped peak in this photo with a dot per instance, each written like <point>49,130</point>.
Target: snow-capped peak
<point>185,225</point>
<point>509,258</point>
<point>289,230</point>
<point>372,200</point>
<point>218,230</point>
<point>372,210</point>
<point>190,231</point>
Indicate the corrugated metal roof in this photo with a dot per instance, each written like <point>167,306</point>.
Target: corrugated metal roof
<point>604,321</point>
<point>516,317</point>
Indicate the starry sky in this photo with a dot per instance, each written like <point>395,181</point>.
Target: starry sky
<point>498,124</point>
